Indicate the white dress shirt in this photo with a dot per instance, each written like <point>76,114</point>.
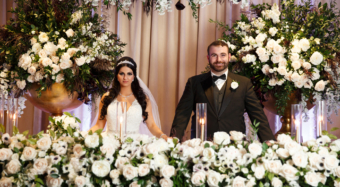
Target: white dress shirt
<point>220,82</point>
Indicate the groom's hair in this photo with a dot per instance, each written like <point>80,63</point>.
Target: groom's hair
<point>218,43</point>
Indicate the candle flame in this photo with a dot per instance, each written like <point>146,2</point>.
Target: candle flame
<point>121,119</point>
<point>202,121</point>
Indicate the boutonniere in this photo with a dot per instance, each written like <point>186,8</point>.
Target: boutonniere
<point>234,85</point>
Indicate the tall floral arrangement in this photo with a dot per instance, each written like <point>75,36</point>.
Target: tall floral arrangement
<point>57,41</point>
<point>292,50</point>
<point>64,156</point>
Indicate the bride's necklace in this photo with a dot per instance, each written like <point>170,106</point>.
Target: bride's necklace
<point>125,96</point>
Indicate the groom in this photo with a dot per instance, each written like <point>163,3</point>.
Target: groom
<point>227,96</point>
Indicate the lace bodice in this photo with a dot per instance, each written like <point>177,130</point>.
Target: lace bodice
<point>134,118</point>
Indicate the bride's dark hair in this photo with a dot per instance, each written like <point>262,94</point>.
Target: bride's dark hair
<point>136,89</point>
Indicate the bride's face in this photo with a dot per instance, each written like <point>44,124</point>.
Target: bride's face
<point>125,76</point>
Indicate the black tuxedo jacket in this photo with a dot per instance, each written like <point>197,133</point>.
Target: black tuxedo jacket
<point>199,89</point>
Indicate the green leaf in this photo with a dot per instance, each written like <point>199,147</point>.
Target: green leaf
<point>15,130</point>
<point>206,145</point>
<point>69,131</point>
<point>90,132</point>
<point>2,128</point>
<point>261,184</point>
<point>38,180</point>
<point>332,136</point>
<point>324,132</point>
<point>78,120</point>
<point>32,141</point>
<point>16,150</point>
<point>129,140</point>
<point>150,156</point>
<point>51,119</point>
<point>52,133</point>
<point>334,129</point>
<point>25,133</point>
<point>271,176</point>
<point>99,131</point>
<point>68,114</point>
<point>264,147</point>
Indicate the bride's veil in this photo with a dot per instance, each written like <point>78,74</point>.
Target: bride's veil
<point>143,129</point>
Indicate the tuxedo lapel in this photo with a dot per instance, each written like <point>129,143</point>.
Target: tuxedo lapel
<point>228,94</point>
<point>207,86</point>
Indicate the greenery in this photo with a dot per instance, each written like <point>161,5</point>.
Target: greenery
<point>57,41</point>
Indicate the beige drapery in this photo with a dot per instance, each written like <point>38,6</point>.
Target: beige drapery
<point>168,49</point>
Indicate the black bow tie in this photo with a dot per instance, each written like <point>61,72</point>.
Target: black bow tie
<point>215,78</point>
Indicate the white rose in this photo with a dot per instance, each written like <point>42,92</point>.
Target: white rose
<point>296,65</point>
<point>55,59</point>
<point>46,62</point>
<point>36,48</point>
<point>193,142</point>
<point>300,159</point>
<point>53,182</point>
<point>276,182</point>
<point>239,182</point>
<point>221,138</point>
<point>261,51</point>
<point>92,141</point>
<point>69,33</point>
<point>304,44</point>
<point>259,172</point>
<point>134,184</point>
<point>166,182</point>
<point>312,178</point>
<point>59,78</point>
<point>270,44</point>
<point>66,64</point>
<point>80,61</point>
<point>72,51</point>
<point>236,136</point>
<point>331,162</point>
<point>260,38</point>
<point>255,149</point>
<point>144,169</point>
<point>120,162</point>
<point>25,61</point>
<point>13,166</point>
<point>213,178</point>
<point>65,57</point>
<point>282,70</point>
<point>337,171</point>
<point>264,58</point>
<point>198,178</point>
<point>273,166</point>
<point>307,65</point>
<point>55,69</point>
<point>316,58</point>
<point>265,69</point>
<point>42,54</point>
<point>159,161</point>
<point>6,182</point>
<point>80,181</point>
<point>130,172</point>
<point>114,174</point>
<point>101,168</point>
<point>78,150</point>
<point>294,57</point>
<point>40,165</point>
<point>234,85</point>
<point>44,143</point>
<point>29,153</point>
<point>167,171</point>
<point>33,41</point>
<point>30,78</point>
<point>273,31</point>
<point>276,59</point>
<point>320,86</point>
<point>295,77</point>
<point>21,84</point>
<point>50,48</point>
<point>43,37</point>
<point>293,147</point>
<point>283,62</point>
<point>5,154</point>
<point>38,76</point>
<point>336,184</point>
<point>32,70</point>
<point>289,172</point>
<point>278,49</point>
<point>317,40</point>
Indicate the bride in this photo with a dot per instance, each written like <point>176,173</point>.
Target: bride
<point>141,106</point>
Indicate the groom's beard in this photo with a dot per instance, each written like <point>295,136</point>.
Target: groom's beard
<point>216,68</point>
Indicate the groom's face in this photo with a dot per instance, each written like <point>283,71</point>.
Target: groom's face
<point>218,59</point>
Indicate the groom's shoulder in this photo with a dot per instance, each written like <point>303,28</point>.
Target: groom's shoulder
<point>199,77</point>
<point>240,78</point>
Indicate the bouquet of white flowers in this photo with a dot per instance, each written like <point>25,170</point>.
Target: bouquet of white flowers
<point>66,157</point>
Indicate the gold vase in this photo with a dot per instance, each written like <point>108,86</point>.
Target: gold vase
<point>285,118</point>
<point>55,100</point>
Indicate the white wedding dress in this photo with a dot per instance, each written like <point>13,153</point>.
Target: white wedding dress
<point>135,124</point>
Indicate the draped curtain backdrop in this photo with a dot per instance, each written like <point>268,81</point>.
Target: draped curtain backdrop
<point>168,49</point>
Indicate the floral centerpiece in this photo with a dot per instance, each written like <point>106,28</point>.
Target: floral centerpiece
<point>57,42</point>
<point>66,157</point>
<point>292,50</point>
